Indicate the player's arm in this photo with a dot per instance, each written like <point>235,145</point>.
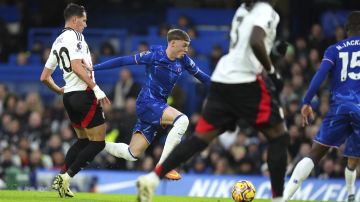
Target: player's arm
<point>116,62</point>
<point>78,69</point>
<point>258,47</point>
<point>317,80</point>
<point>193,69</point>
<point>48,80</point>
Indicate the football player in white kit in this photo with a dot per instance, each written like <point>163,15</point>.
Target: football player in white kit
<point>81,96</point>
<point>240,90</point>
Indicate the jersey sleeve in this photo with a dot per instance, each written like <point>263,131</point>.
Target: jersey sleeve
<point>74,45</point>
<point>51,62</point>
<point>330,55</point>
<point>190,65</point>
<point>194,70</point>
<point>145,57</point>
<point>263,15</point>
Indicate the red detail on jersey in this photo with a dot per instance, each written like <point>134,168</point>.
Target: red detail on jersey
<point>203,126</point>
<point>75,125</point>
<point>265,103</point>
<point>90,115</point>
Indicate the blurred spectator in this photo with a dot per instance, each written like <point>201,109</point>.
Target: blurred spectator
<point>34,102</point>
<point>3,94</point>
<point>124,88</point>
<point>107,49</point>
<point>10,103</point>
<point>216,54</point>
<point>45,55</point>
<point>22,58</point>
<point>37,47</point>
<point>185,24</point>
<point>147,164</point>
<point>163,30</point>
<point>316,38</point>
<point>200,166</point>
<point>143,46</point>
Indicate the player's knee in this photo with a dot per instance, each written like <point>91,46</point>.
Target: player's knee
<point>182,122</point>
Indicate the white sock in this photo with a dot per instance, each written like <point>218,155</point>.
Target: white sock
<point>277,199</point>
<point>120,150</point>
<point>350,177</point>
<point>301,172</point>
<point>174,136</point>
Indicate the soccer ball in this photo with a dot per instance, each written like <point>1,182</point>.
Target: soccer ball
<point>243,191</point>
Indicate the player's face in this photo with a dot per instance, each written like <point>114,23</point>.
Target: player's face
<point>181,47</point>
<point>80,23</point>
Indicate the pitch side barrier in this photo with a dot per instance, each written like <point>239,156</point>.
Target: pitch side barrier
<point>197,185</point>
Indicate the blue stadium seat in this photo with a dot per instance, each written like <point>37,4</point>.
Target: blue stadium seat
<point>9,13</point>
<point>204,45</point>
<point>151,40</point>
<point>94,37</point>
<point>201,16</point>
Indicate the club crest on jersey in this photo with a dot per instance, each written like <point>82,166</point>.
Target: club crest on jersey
<point>79,46</point>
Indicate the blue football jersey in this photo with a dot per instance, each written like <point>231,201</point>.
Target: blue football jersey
<point>161,72</point>
<point>345,71</point>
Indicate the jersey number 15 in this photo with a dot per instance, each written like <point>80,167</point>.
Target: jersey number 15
<point>63,62</point>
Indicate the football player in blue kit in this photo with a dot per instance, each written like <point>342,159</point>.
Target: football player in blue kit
<point>341,62</point>
<point>164,65</point>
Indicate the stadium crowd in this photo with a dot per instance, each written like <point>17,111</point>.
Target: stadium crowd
<point>36,135</point>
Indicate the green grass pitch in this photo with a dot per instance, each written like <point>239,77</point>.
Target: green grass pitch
<point>38,196</point>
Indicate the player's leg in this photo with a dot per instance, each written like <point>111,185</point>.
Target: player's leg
<point>75,149</point>
<point>350,177</point>
<point>179,124</point>
<point>333,132</point>
<point>266,114</point>
<point>70,157</point>
<point>138,144</point>
<point>147,184</point>
<point>92,122</point>
<point>205,132</point>
<point>304,168</point>
<point>278,140</point>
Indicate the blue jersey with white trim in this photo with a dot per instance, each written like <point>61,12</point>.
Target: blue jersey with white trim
<point>161,72</point>
<point>344,73</point>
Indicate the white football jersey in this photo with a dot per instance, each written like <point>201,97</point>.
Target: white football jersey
<point>70,45</point>
<point>240,64</point>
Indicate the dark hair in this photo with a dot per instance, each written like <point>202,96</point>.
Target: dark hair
<point>353,22</point>
<point>177,34</point>
<point>73,10</point>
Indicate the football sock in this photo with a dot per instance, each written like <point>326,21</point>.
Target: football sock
<point>301,172</point>
<point>174,137</point>
<point>277,161</point>
<point>86,156</point>
<point>180,154</point>
<point>71,155</point>
<point>120,150</point>
<point>350,177</point>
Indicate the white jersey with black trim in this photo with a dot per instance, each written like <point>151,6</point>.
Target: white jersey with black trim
<point>70,45</point>
<point>240,64</point>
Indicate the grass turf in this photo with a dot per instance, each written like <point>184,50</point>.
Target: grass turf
<point>36,196</point>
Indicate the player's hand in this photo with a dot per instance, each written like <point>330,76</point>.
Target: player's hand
<point>61,91</point>
<point>100,96</point>
<point>306,114</point>
<point>88,67</point>
<point>276,79</point>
